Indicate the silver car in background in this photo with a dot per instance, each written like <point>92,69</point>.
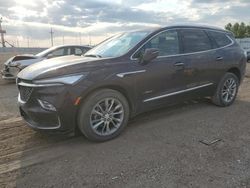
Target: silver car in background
<point>15,64</point>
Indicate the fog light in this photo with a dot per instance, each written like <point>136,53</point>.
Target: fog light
<point>46,105</point>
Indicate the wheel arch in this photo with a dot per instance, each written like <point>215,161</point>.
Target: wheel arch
<point>235,71</point>
<point>130,98</point>
<point>118,88</point>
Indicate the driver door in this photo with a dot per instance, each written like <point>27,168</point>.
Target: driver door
<point>163,75</point>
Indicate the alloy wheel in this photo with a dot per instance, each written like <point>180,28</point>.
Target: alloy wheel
<point>107,116</point>
<point>229,90</point>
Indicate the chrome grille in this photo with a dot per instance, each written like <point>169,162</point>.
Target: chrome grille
<point>25,92</point>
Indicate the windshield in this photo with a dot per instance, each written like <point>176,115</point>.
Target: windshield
<point>43,53</point>
<point>118,45</point>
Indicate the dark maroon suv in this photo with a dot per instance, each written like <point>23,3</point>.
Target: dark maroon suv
<point>128,74</point>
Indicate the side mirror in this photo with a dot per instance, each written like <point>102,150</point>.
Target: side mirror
<point>149,55</point>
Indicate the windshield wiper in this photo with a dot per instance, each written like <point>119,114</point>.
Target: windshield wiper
<point>93,55</point>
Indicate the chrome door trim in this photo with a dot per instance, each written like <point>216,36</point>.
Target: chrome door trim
<point>183,54</point>
<point>177,92</point>
<point>121,75</point>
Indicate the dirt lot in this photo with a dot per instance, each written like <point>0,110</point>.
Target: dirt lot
<point>158,149</point>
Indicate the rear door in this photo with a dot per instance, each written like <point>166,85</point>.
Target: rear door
<point>199,56</point>
<point>226,54</point>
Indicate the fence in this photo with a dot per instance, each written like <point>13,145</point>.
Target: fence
<point>244,43</point>
<point>21,50</point>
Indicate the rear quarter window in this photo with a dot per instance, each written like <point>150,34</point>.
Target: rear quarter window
<point>220,38</point>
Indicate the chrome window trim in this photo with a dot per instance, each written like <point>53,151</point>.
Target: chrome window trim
<point>121,75</point>
<point>183,54</point>
<point>20,100</point>
<point>38,85</point>
<point>177,92</point>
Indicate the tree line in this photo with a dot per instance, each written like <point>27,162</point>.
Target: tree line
<point>240,30</point>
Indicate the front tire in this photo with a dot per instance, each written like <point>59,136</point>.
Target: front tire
<point>227,90</point>
<point>103,115</point>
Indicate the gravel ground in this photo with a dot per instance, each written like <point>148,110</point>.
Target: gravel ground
<point>158,149</point>
<point>8,100</point>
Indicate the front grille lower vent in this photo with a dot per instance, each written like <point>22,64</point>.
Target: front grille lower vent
<point>25,92</point>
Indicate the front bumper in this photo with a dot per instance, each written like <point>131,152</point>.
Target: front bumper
<point>63,119</point>
<point>38,118</point>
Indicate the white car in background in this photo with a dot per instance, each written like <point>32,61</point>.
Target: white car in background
<point>15,64</point>
<point>248,56</point>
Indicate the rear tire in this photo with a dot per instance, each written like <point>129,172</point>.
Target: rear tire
<point>227,90</point>
<point>103,115</point>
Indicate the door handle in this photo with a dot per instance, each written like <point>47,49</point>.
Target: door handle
<point>179,64</point>
<point>219,58</point>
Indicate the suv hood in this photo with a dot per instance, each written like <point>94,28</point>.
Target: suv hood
<point>57,67</point>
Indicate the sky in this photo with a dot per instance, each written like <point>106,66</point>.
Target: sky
<point>28,22</point>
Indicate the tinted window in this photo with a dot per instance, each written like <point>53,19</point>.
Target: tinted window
<point>59,52</point>
<point>78,51</point>
<point>195,40</point>
<point>167,43</point>
<point>221,39</point>
<point>84,50</point>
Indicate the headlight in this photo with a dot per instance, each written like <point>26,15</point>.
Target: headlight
<point>46,105</point>
<point>69,79</point>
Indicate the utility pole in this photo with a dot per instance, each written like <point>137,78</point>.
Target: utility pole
<point>2,33</point>
<point>51,36</point>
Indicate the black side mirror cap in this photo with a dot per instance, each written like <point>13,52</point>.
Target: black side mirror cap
<point>149,55</point>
